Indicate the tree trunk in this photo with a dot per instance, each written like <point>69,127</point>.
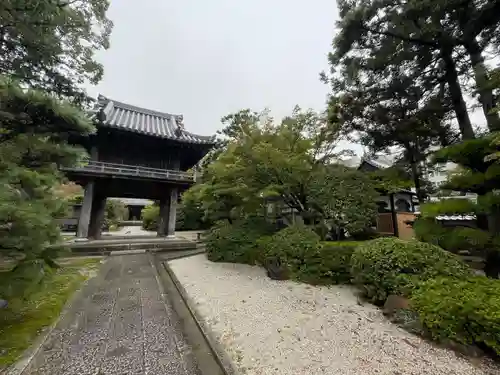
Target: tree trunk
<point>482,84</point>
<point>492,264</point>
<point>456,94</point>
<point>415,174</point>
<point>492,257</point>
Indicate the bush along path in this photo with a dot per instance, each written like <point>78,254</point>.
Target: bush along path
<point>118,324</point>
<point>428,290</point>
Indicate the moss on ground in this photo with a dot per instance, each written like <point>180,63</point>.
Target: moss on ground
<point>25,318</point>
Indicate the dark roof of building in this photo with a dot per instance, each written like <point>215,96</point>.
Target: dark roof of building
<point>115,114</point>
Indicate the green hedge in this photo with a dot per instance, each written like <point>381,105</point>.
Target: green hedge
<point>237,242</point>
<point>463,310</point>
<point>331,264</point>
<point>298,249</point>
<point>392,266</point>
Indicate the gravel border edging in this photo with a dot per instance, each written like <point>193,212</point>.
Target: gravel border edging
<point>219,352</point>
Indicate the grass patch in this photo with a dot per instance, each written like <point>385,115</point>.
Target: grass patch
<point>26,317</point>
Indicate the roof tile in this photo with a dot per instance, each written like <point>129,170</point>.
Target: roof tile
<point>124,116</point>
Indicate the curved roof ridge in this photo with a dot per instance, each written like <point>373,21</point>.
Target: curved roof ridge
<point>120,115</point>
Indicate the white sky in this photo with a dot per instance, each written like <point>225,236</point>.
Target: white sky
<point>206,59</point>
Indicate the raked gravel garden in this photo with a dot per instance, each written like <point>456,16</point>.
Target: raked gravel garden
<point>284,327</point>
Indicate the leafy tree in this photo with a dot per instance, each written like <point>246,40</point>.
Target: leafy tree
<point>34,128</point>
<point>50,44</point>
<point>288,162</point>
<point>345,198</point>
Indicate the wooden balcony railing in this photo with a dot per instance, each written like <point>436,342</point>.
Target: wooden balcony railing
<point>100,167</point>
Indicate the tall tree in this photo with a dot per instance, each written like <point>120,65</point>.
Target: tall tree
<point>51,44</point>
<point>438,34</point>
<point>387,109</point>
<point>291,162</point>
<point>34,128</point>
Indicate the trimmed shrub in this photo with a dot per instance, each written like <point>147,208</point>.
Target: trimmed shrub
<point>290,247</point>
<point>298,253</point>
<point>331,264</point>
<point>392,266</point>
<point>463,310</point>
<point>236,242</point>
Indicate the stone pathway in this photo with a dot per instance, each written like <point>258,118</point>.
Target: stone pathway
<point>119,324</point>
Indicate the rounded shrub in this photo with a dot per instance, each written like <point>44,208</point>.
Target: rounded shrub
<point>463,310</point>
<point>236,242</point>
<point>291,246</point>
<point>392,266</point>
<point>332,263</point>
<point>297,252</point>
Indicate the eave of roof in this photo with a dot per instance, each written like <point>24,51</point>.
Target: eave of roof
<point>119,115</point>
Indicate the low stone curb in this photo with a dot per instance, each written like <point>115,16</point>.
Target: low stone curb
<point>221,356</point>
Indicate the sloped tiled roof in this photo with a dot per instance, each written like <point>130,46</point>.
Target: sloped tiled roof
<point>127,117</point>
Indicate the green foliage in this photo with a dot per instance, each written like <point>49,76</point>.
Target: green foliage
<point>237,242</point>
<point>466,310</point>
<point>291,247</point>
<point>33,142</point>
<point>150,216</point>
<point>456,239</point>
<point>428,230</point>
<point>345,198</point>
<point>304,258</point>
<point>453,206</point>
<point>37,307</point>
<point>290,162</point>
<point>391,266</point>
<point>50,45</point>
<point>466,239</point>
<point>115,212</point>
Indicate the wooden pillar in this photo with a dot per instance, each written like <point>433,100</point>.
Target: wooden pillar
<point>172,212</point>
<point>97,217</point>
<point>394,215</point>
<point>163,216</point>
<point>84,220</point>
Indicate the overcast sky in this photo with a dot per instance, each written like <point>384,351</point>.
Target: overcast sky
<point>205,59</point>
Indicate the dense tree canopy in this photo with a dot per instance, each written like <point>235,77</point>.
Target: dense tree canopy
<point>291,162</point>
<point>33,143</point>
<point>50,44</point>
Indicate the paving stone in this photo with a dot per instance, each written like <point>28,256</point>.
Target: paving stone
<point>118,324</point>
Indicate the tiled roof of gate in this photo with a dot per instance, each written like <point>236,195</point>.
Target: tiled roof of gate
<point>127,117</point>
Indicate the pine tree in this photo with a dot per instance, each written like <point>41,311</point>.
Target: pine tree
<point>34,132</point>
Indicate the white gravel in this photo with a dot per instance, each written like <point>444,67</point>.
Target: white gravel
<point>283,327</point>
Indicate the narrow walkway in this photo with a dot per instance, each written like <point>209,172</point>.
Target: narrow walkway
<point>118,324</point>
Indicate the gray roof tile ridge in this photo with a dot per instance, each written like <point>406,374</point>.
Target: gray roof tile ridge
<point>134,108</point>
